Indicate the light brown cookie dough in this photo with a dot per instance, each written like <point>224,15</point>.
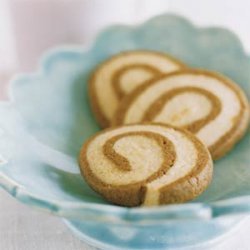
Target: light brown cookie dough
<point>206,103</point>
<point>120,75</point>
<point>146,165</point>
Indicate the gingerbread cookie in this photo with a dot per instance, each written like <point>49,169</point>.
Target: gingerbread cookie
<point>120,75</point>
<point>146,165</point>
<point>206,103</point>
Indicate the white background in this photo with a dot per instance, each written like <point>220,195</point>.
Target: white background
<point>22,228</point>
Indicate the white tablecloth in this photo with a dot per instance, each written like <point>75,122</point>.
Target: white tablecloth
<point>22,228</point>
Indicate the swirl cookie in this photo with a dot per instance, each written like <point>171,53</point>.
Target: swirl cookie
<point>207,104</point>
<point>146,165</point>
<point>120,75</point>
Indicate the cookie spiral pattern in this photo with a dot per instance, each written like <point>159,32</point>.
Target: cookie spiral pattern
<point>146,165</point>
<point>120,75</point>
<point>206,103</point>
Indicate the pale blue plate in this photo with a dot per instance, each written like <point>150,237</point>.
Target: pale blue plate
<point>48,118</point>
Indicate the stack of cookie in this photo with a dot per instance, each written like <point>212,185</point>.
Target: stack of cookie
<point>166,123</point>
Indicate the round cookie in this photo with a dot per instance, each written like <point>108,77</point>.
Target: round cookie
<point>120,75</point>
<point>146,165</point>
<point>206,103</point>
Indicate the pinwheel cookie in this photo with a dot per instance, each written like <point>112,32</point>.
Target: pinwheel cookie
<point>147,164</point>
<point>206,103</point>
<point>120,75</point>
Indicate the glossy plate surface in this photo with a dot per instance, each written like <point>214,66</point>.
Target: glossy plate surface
<point>48,118</point>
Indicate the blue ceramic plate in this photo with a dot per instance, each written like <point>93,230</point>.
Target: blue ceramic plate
<point>48,119</point>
